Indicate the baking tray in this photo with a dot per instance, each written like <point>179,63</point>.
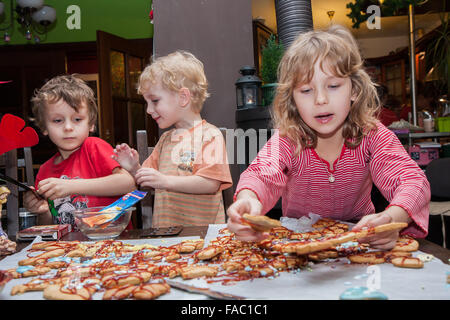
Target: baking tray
<point>159,232</point>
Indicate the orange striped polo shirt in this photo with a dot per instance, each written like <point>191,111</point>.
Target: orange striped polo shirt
<point>199,151</point>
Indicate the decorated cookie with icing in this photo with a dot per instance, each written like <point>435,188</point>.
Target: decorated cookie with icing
<point>407,262</point>
<point>146,291</point>
<point>406,243</point>
<point>192,272</point>
<point>375,257</point>
<point>260,223</point>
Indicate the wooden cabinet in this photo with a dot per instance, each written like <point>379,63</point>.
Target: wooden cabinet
<point>394,78</point>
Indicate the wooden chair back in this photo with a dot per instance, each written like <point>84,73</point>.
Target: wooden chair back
<point>146,204</point>
<point>235,169</point>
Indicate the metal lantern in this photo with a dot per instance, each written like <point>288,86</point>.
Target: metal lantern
<point>248,88</point>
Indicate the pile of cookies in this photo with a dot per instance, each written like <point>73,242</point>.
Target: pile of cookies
<point>117,270</point>
<point>6,246</point>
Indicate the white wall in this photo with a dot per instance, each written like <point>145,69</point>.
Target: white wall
<point>203,28</point>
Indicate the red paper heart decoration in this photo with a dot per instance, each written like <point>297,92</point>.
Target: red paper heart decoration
<point>12,136</point>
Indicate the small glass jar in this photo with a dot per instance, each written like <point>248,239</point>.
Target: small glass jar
<point>27,219</point>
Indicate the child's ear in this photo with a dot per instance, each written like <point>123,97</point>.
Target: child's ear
<point>92,129</point>
<point>184,96</point>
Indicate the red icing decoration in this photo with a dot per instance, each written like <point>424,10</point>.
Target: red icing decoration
<point>12,136</point>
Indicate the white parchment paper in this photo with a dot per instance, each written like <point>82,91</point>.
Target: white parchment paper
<point>12,262</point>
<point>328,280</point>
<point>321,281</point>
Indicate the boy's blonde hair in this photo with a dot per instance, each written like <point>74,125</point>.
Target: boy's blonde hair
<point>72,90</point>
<point>336,49</point>
<point>180,69</point>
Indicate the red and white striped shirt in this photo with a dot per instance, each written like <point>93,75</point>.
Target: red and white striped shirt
<point>302,181</point>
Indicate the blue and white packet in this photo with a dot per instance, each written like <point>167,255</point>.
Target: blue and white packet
<point>126,201</point>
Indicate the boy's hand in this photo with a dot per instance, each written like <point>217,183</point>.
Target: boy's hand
<point>54,188</point>
<point>34,204</point>
<point>243,231</point>
<point>151,178</point>
<point>381,241</point>
<point>127,157</point>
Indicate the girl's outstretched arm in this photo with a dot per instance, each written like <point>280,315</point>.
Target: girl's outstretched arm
<point>246,202</point>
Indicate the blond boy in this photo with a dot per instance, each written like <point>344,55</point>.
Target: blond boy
<point>188,167</point>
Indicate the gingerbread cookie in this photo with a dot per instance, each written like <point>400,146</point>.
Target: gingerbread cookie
<point>209,252</point>
<point>241,261</point>
<point>51,245</point>
<point>324,222</point>
<point>146,291</point>
<point>260,223</point>
<point>281,232</point>
<point>407,262</point>
<point>257,272</point>
<point>28,271</point>
<point>42,257</point>
<point>38,284</point>
<point>306,247</point>
<point>125,278</point>
<point>389,255</point>
<point>374,257</point>
<point>192,272</point>
<point>171,271</point>
<point>65,292</point>
<point>188,246</point>
<point>150,291</point>
<point>406,243</point>
<point>282,262</point>
<point>305,235</point>
<point>323,255</point>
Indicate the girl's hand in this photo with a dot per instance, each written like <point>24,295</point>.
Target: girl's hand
<point>243,231</point>
<point>55,188</point>
<point>151,178</point>
<point>382,241</point>
<point>34,204</point>
<point>127,157</point>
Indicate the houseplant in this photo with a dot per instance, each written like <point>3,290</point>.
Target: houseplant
<point>388,8</point>
<point>271,56</point>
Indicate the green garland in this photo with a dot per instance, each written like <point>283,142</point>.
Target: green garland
<point>388,8</point>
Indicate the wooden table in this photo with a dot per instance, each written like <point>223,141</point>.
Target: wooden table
<point>136,234</point>
<point>425,245</point>
<point>127,234</point>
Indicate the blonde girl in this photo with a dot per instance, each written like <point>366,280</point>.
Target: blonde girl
<point>329,147</point>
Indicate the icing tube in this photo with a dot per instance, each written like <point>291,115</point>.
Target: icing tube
<point>126,201</point>
<point>116,209</point>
